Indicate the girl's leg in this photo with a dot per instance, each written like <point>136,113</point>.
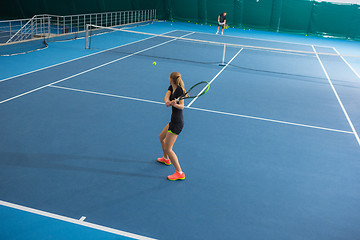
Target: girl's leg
<point>162,137</point>
<point>169,143</point>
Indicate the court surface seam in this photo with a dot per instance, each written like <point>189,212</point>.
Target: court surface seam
<point>74,221</point>
<point>89,70</point>
<point>338,98</point>
<point>205,110</point>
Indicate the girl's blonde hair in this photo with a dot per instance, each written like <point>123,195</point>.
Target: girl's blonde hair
<point>176,78</point>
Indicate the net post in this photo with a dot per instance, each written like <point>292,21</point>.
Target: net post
<point>87,36</point>
<point>223,58</point>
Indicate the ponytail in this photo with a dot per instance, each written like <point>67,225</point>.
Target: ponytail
<point>176,77</point>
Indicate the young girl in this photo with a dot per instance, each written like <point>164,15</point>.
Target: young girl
<point>170,132</point>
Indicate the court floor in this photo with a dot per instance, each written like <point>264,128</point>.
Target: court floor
<point>271,151</point>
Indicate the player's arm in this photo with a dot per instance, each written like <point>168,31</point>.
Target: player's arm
<point>179,105</point>
<point>167,98</point>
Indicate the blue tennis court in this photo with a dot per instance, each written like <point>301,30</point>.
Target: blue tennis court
<point>271,151</point>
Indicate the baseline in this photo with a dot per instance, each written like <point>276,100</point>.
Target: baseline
<point>267,40</point>
<point>74,221</point>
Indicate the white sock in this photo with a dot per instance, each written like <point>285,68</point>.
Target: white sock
<point>180,172</point>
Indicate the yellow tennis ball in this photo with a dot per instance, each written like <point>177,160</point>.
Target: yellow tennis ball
<point>154,63</point>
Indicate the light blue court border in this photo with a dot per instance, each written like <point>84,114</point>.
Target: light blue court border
<point>23,223</point>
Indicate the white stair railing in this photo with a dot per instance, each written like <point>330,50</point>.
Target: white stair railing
<point>39,26</point>
<point>45,25</point>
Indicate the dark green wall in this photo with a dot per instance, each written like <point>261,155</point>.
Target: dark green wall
<point>12,9</point>
<point>296,16</point>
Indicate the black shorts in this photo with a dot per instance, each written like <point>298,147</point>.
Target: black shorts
<point>175,128</point>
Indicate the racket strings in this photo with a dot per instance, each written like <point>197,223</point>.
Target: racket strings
<point>197,90</point>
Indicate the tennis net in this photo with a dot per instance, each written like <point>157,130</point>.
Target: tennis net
<point>264,57</point>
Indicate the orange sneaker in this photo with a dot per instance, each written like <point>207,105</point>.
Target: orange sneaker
<point>177,176</point>
<point>163,160</point>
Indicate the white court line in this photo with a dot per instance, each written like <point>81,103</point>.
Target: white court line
<point>6,79</point>
<point>347,63</point>
<point>215,76</point>
<point>86,71</point>
<point>106,94</point>
<point>206,110</point>
<point>74,221</point>
<point>272,120</point>
<point>338,98</point>
<point>82,218</point>
<point>267,40</point>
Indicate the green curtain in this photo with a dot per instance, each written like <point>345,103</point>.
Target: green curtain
<point>295,16</point>
<point>14,9</point>
<point>335,20</point>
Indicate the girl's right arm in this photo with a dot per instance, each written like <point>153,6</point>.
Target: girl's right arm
<point>167,98</point>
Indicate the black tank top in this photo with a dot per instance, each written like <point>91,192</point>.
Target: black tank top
<point>177,114</point>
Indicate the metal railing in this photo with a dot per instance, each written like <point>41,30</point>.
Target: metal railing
<point>46,25</point>
<point>37,26</point>
<point>9,27</point>
<point>77,23</point>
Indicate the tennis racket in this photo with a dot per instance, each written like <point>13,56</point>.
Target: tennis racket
<point>195,91</point>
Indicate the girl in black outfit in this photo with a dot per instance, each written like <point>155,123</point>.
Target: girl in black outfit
<point>170,132</point>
